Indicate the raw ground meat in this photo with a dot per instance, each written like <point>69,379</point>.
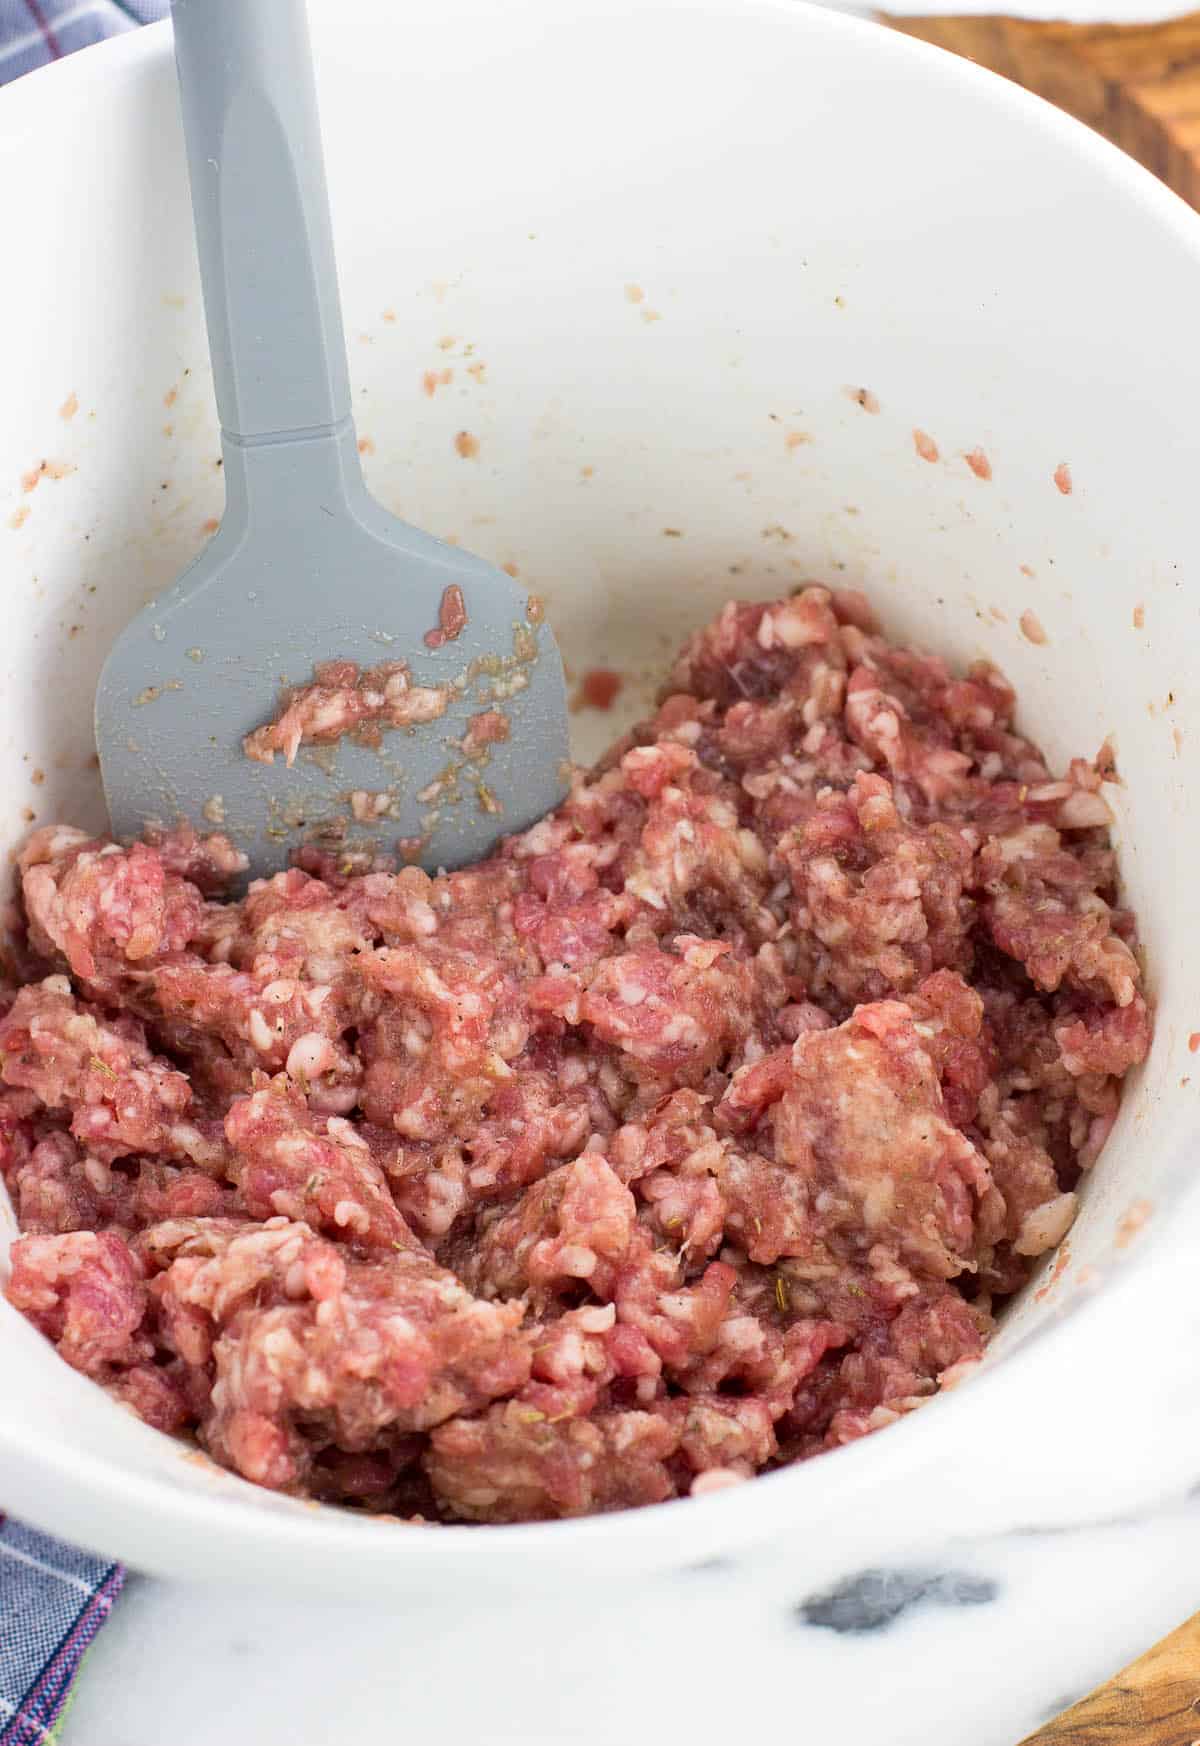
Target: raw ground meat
<point>704,1128</point>
<point>342,699</point>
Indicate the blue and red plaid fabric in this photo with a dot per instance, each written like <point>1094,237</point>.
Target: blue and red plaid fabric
<point>53,1600</point>
<point>33,32</point>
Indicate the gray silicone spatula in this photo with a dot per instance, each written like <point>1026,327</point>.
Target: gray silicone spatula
<point>306,567</point>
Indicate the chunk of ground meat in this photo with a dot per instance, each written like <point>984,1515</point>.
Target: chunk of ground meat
<point>343,699</point>
<point>669,1018</point>
<point>879,903</point>
<point>235,1024</point>
<point>84,1291</point>
<point>1041,907</point>
<point>704,1127</point>
<point>120,1097</point>
<point>58,1187</point>
<point>357,1351</point>
<point>515,1465</point>
<point>105,909</point>
<point>209,863</point>
<point>320,1169</point>
<point>860,1136</point>
<point>575,1225</point>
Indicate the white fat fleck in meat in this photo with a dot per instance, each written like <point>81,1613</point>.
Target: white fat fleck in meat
<point>716,1479</point>
<point>577,1260</point>
<point>348,1214</point>
<point>346,1135</point>
<point>311,1055</point>
<point>98,1174</point>
<point>1046,1225</point>
<point>741,1334</point>
<point>1084,811</point>
<point>421,916</point>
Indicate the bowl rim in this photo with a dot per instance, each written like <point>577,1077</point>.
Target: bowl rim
<point>327,1538</point>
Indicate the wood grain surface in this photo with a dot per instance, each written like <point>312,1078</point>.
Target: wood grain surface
<point>1156,1702</point>
<point>1139,85</point>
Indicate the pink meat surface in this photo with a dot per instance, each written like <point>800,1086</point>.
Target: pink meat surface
<point>704,1128</point>
<point>344,699</point>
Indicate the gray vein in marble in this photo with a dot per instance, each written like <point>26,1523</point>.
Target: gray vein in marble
<point>1154,1508</point>
<point>873,1600</point>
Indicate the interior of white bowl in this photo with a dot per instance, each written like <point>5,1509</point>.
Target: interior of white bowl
<point>695,278</point>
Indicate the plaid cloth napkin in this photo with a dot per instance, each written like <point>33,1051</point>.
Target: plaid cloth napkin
<point>53,1600</point>
<point>33,32</point>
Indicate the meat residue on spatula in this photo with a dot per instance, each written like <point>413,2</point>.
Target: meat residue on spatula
<point>344,699</point>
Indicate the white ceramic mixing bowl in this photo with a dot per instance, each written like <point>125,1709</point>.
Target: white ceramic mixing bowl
<point>650,250</point>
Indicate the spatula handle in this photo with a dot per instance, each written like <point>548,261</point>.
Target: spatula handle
<point>262,217</point>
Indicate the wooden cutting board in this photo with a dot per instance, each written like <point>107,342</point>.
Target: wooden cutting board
<point>1139,85</point>
<point>1156,1702</point>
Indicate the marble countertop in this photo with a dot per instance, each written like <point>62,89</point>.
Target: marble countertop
<point>973,1643</point>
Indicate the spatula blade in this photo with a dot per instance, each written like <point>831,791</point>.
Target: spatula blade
<point>206,664</point>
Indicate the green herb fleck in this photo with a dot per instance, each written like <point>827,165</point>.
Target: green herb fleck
<point>100,1066</point>
<point>781,1291</point>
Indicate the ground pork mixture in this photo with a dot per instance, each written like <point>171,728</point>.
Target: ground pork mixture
<point>702,1129</point>
<point>342,699</point>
